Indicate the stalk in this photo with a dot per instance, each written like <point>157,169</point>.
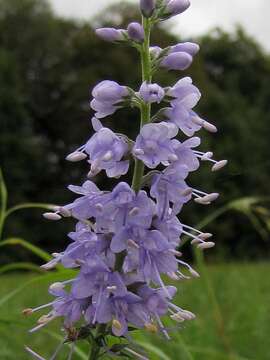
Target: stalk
<point>139,165</point>
<point>146,108</point>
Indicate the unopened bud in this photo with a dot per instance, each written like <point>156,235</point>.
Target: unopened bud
<point>136,32</point>
<point>147,7</point>
<point>110,34</point>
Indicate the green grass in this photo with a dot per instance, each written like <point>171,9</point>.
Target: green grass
<point>240,333</point>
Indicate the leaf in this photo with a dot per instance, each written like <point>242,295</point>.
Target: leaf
<point>20,266</point>
<point>27,245</point>
<point>59,275</point>
<point>154,350</point>
<point>3,201</point>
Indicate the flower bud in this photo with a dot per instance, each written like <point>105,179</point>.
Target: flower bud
<point>136,32</point>
<point>188,47</point>
<point>177,61</point>
<point>176,7</point>
<point>147,7</point>
<point>110,34</point>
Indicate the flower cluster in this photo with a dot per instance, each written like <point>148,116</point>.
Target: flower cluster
<point>126,239</point>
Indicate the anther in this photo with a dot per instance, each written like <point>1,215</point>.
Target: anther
<point>27,312</point>
<point>135,211</point>
<point>138,152</point>
<point>117,324</point>
<point>52,216</point>
<point>206,245</point>
<point>152,328</point>
<point>219,165</point>
<point>76,156</point>
<point>108,156</point>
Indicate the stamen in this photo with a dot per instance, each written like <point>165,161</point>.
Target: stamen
<point>172,157</point>
<point>57,286</point>
<point>206,245</point>
<point>64,212</point>
<point>33,353</point>
<point>209,127</point>
<point>133,244</point>
<point>152,328</point>
<point>117,324</point>
<point>138,356</point>
<point>52,216</point>
<point>108,156</point>
<point>111,288</point>
<point>138,152</point>
<point>135,211</point>
<point>219,165</point>
<point>76,156</point>
<point>205,236</point>
<point>186,192</point>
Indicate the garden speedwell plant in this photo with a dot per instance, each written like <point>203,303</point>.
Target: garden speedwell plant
<point>127,239</point>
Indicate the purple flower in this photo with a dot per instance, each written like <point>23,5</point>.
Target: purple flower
<point>177,61</point>
<point>187,47</point>
<point>85,206</point>
<point>107,96</point>
<point>153,145</point>
<point>106,151</point>
<point>126,208</point>
<point>175,7</point>
<point>168,188</point>
<point>185,155</point>
<point>136,32</point>
<point>170,227</point>
<point>151,93</point>
<point>185,97</point>
<point>147,7</point>
<point>111,34</point>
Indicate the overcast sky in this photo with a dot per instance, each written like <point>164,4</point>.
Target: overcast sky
<point>202,16</point>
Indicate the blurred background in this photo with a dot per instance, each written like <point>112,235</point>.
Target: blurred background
<point>50,59</point>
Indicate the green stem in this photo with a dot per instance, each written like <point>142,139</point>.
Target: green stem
<point>95,350</point>
<point>146,108</point>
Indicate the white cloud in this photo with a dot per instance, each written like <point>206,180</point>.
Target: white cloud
<point>201,17</point>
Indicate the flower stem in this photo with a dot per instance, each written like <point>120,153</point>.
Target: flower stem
<point>146,108</point>
<point>95,350</point>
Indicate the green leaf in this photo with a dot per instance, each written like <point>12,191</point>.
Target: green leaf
<point>27,245</point>
<point>3,201</point>
<point>20,266</point>
<point>154,350</point>
<point>54,277</point>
